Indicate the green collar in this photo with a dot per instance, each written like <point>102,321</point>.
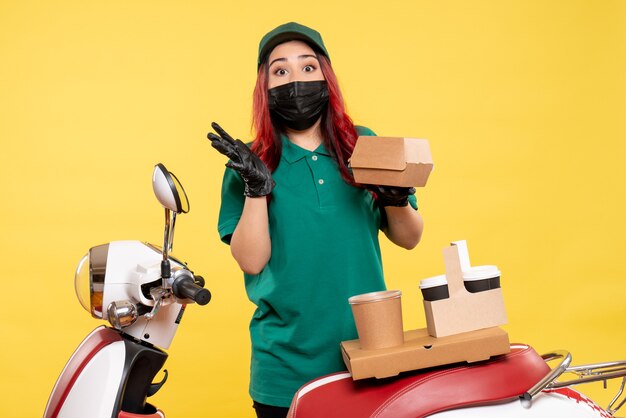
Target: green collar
<point>292,152</point>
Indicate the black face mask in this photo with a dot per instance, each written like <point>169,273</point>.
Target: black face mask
<point>299,104</point>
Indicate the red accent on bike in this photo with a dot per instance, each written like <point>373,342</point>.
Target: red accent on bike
<point>422,393</point>
<point>580,399</point>
<point>99,338</point>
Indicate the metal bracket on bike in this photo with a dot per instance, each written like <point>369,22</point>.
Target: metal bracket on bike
<point>599,372</point>
<point>610,408</point>
<point>548,380</point>
<point>158,294</point>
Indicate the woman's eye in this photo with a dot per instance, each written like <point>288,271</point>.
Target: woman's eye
<point>280,71</point>
<point>308,68</point>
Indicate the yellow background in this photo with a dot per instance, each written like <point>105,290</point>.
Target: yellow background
<point>523,103</point>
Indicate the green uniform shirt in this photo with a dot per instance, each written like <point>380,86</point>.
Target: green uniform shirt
<point>324,236</point>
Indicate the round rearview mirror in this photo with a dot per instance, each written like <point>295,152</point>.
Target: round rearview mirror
<point>168,190</point>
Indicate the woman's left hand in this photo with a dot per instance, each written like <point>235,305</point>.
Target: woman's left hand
<point>404,224</point>
<point>391,195</point>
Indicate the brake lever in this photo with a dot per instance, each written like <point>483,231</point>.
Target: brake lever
<point>158,294</point>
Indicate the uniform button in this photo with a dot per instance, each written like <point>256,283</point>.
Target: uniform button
<point>314,158</point>
<point>321,181</point>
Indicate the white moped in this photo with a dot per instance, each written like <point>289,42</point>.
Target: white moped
<point>142,291</point>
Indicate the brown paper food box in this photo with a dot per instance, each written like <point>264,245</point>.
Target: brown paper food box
<point>421,351</point>
<point>462,311</point>
<point>463,328</point>
<point>389,161</point>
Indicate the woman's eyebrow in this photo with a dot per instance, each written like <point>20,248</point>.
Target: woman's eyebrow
<point>299,57</point>
<point>277,59</point>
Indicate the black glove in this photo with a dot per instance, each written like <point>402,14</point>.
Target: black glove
<point>255,174</point>
<point>391,195</point>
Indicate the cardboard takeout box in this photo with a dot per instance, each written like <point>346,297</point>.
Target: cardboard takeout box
<point>390,161</point>
<point>421,351</point>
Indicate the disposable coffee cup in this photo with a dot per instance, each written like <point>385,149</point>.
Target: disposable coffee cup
<point>435,288</point>
<point>378,319</point>
<point>481,278</point>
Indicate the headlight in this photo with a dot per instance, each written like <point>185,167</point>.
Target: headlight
<point>89,279</point>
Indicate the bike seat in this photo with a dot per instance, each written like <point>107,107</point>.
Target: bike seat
<point>424,392</point>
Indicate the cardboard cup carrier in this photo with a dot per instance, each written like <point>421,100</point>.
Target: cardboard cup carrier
<point>378,319</point>
<point>475,301</point>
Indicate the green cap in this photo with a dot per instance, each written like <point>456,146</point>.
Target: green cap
<point>291,31</point>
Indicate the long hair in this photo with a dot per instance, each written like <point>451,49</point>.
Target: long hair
<point>338,132</point>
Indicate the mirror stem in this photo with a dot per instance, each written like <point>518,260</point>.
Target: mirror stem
<point>165,263</point>
<point>166,235</point>
<point>171,243</point>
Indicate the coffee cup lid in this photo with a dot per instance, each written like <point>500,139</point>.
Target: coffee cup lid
<point>374,297</point>
<point>440,280</point>
<point>481,273</point>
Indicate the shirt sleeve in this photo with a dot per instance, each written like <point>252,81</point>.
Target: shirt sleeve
<point>232,204</point>
<point>413,201</point>
<point>363,131</point>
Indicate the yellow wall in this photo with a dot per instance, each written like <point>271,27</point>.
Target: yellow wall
<point>523,103</point>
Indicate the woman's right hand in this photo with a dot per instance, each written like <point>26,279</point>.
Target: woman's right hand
<point>255,174</point>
